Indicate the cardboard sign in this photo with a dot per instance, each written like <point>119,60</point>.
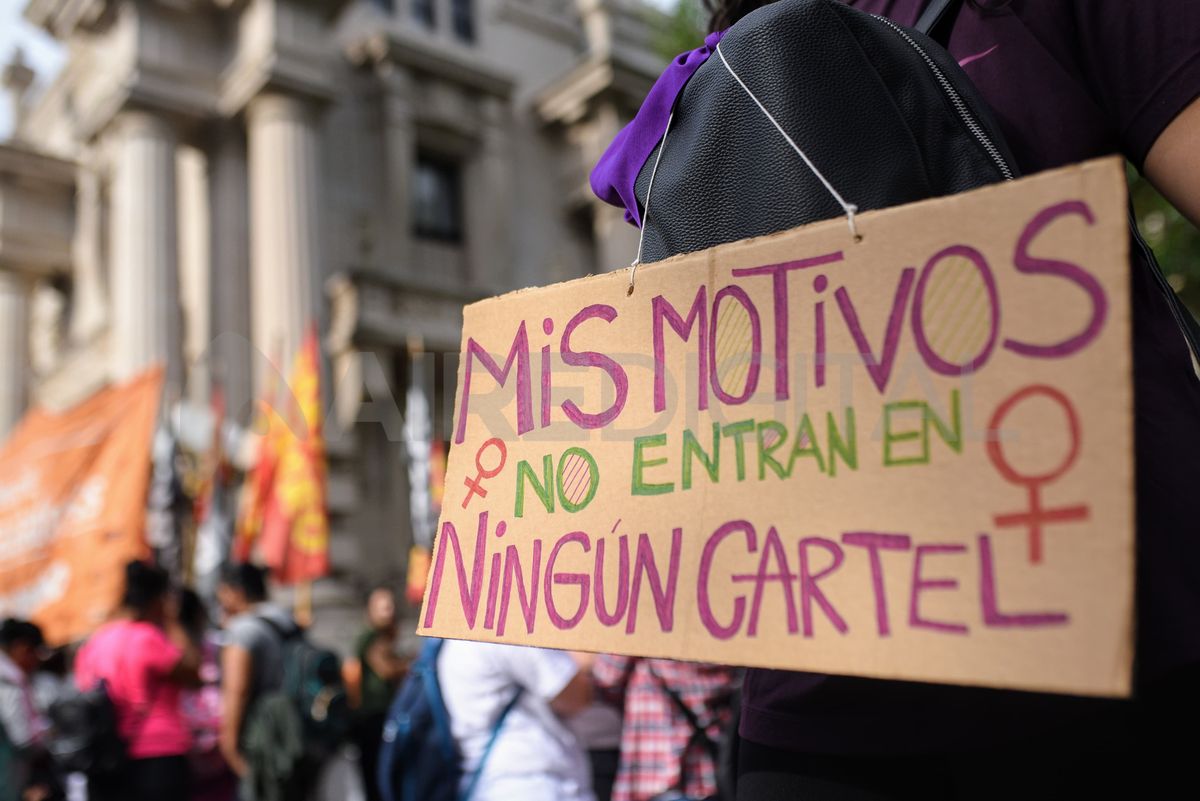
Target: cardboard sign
<point>908,456</point>
<point>72,507</point>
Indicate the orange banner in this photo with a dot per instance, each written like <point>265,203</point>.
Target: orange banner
<point>72,507</point>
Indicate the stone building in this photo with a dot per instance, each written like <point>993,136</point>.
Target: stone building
<point>205,178</point>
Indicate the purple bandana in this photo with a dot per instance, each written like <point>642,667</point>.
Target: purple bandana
<point>616,173</point>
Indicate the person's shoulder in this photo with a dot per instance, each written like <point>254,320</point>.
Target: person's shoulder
<point>264,623</point>
<point>243,629</point>
<point>144,643</point>
<point>546,655</point>
<point>465,652</point>
<point>470,661</point>
<point>110,635</point>
<point>141,631</point>
<point>527,665</point>
<point>273,614</point>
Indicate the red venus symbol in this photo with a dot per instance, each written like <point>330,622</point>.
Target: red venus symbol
<point>1036,515</point>
<point>473,484</point>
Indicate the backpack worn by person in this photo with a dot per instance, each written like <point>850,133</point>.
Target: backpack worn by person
<point>84,737</point>
<point>292,731</point>
<point>419,759</point>
<point>882,114</point>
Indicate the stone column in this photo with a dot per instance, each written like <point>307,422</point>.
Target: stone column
<point>232,346</point>
<point>14,349</point>
<point>400,155</point>
<point>195,268</point>
<point>144,275</point>
<point>285,241</point>
<point>487,202</point>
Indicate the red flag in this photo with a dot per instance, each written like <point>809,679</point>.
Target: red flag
<point>294,539</point>
<point>256,488</point>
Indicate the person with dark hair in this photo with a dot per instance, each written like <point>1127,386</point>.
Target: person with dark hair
<point>144,659</point>
<point>241,585</point>
<point>1067,81</point>
<point>252,659</point>
<point>20,642</point>
<point>22,728</point>
<point>376,671</point>
<point>212,779</point>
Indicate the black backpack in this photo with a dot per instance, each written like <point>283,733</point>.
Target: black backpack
<point>312,680</point>
<point>419,759</point>
<point>883,112</point>
<point>84,737</point>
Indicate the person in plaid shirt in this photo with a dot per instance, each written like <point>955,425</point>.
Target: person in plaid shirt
<point>665,751</point>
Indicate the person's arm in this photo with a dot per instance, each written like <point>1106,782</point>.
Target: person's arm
<point>1173,163</point>
<point>236,666</point>
<point>576,696</point>
<point>186,671</point>
<point>37,792</point>
<point>352,679</point>
<point>554,677</point>
<point>610,673</point>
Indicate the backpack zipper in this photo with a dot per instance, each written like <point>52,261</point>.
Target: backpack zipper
<point>956,100</point>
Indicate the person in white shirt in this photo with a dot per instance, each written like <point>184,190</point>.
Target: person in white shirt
<point>535,756</point>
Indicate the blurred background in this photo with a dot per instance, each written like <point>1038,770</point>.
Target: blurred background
<point>198,183</point>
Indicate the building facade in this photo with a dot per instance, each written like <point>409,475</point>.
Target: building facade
<point>205,179</point>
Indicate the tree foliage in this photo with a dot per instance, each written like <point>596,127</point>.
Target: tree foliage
<point>1175,241</point>
<point>684,31</point>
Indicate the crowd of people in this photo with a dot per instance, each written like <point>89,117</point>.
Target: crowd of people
<point>213,708</point>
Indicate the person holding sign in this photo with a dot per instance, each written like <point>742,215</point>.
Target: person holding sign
<point>1067,81</point>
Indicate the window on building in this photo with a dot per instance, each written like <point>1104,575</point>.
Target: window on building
<point>437,201</point>
<point>422,11</point>
<point>462,14</point>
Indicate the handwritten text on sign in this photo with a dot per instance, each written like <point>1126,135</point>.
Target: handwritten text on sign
<point>909,456</point>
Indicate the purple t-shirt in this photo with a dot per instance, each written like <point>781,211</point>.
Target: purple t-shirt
<point>1068,80</point>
